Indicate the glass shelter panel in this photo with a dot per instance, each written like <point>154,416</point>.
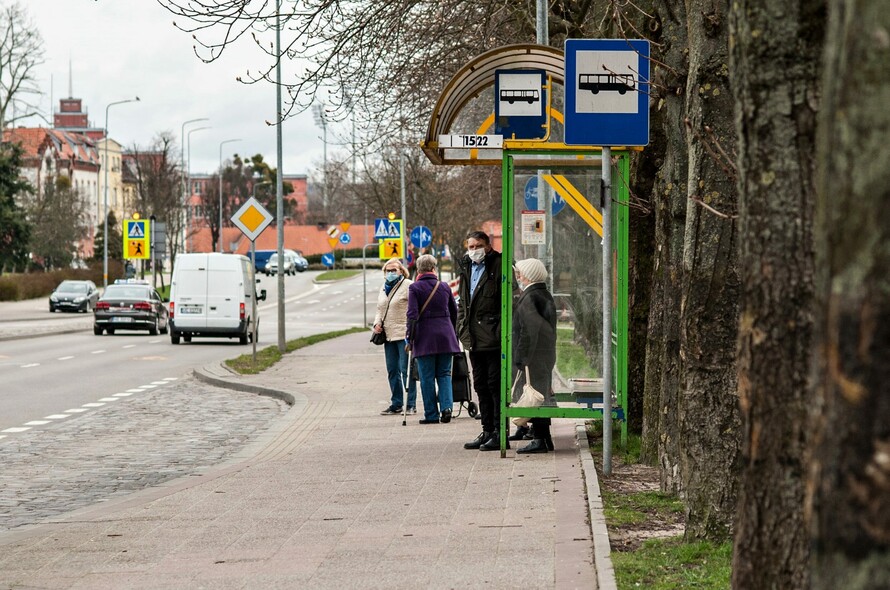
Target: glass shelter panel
<point>553,210</point>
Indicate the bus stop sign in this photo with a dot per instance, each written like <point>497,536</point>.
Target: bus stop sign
<point>607,92</point>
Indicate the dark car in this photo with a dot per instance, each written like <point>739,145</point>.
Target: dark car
<point>300,263</point>
<point>130,305</point>
<point>74,296</point>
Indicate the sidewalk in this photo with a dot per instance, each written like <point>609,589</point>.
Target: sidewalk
<point>334,495</point>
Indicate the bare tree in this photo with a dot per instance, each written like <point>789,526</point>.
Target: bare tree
<point>21,52</point>
<point>58,219</point>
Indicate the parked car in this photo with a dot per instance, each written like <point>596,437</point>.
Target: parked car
<point>130,304</point>
<point>262,258</point>
<point>74,296</point>
<point>300,262</point>
<point>289,267</point>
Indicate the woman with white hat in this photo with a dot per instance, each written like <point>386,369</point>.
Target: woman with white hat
<point>534,342</point>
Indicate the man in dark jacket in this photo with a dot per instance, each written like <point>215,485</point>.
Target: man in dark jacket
<point>479,330</point>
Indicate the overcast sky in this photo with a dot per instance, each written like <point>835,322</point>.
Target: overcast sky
<point>119,49</point>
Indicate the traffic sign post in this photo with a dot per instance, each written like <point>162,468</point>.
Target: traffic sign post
<point>252,218</point>
<point>387,228</point>
<point>137,239</point>
<point>391,249</point>
<point>520,104</point>
<point>327,259</point>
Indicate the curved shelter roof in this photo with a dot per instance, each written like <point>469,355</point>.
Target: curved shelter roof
<point>470,81</point>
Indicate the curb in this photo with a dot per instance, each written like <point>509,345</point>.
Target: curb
<point>605,574</point>
<point>214,375</point>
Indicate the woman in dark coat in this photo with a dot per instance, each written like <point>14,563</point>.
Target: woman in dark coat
<point>433,340</point>
<point>534,342</point>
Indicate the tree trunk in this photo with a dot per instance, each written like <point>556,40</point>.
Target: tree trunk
<point>849,476</point>
<point>708,410</point>
<point>775,82</point>
<point>660,422</point>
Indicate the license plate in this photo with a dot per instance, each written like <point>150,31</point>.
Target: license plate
<point>119,320</point>
<point>190,310</point>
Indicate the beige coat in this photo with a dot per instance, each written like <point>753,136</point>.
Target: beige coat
<point>396,323</point>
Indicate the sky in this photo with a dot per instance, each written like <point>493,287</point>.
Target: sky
<point>119,49</point>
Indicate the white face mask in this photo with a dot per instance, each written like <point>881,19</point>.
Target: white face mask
<point>477,255</point>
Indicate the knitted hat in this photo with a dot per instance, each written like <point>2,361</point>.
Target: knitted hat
<point>532,269</point>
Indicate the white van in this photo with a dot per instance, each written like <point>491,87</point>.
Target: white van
<point>210,295</point>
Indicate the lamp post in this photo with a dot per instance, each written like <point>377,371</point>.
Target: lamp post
<point>222,143</point>
<point>321,121</point>
<point>188,178</point>
<point>105,199</point>
<point>182,176</point>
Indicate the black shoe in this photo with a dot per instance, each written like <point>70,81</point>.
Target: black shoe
<point>549,442</point>
<point>493,443</point>
<point>536,446</point>
<point>446,417</point>
<point>425,421</point>
<point>477,442</point>
<point>520,432</point>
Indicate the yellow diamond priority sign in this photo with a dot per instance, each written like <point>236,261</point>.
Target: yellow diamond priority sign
<point>252,218</point>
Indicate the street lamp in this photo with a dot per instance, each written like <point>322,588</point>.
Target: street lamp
<point>321,121</point>
<point>222,143</point>
<point>188,178</point>
<point>182,175</point>
<point>105,199</point>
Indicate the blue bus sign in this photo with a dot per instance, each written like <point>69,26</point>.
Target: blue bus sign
<point>607,92</point>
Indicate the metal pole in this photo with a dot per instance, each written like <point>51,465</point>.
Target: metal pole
<point>253,307</point>
<point>182,181</point>
<point>219,233</point>
<point>404,215</point>
<point>607,310</point>
<point>365,280</point>
<point>279,189</point>
<point>105,164</point>
<point>188,180</point>
<point>541,23</point>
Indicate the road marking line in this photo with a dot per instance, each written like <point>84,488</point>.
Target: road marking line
<point>144,387</point>
<point>64,358</point>
<point>130,346</point>
<point>36,422</point>
<point>108,399</point>
<point>134,391</point>
<point>97,352</point>
<point>29,365</point>
<point>16,429</point>
<point>122,394</point>
<point>93,405</point>
<point>159,383</point>
<point>76,410</point>
<point>171,378</point>
<point>56,416</point>
<point>2,436</point>
<point>154,341</point>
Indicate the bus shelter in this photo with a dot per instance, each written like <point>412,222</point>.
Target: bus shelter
<point>553,205</point>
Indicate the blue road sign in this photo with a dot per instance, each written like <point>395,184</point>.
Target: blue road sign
<point>345,239</point>
<point>421,236</point>
<point>327,260</point>
<point>385,229</point>
<point>531,197</point>
<point>607,92</point>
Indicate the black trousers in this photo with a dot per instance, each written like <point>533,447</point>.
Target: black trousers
<point>487,383</point>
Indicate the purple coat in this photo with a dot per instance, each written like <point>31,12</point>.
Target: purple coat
<point>434,332</point>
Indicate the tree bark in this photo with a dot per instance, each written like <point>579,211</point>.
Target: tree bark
<point>775,68</point>
<point>708,413</point>
<point>662,382</point>
<point>849,478</point>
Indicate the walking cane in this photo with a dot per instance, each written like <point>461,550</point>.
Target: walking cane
<point>405,398</point>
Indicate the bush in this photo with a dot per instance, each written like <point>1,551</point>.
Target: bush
<point>34,285</point>
<point>9,290</point>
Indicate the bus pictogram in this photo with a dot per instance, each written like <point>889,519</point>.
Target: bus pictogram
<point>616,82</point>
<point>530,96</point>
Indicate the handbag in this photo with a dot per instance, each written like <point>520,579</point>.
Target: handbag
<point>380,338</point>
<point>530,398</point>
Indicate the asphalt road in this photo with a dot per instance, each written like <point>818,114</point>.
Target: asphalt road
<point>58,376</point>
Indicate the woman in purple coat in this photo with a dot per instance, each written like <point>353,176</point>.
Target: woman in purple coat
<point>432,318</point>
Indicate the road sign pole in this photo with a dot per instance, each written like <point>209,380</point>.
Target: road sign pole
<point>253,306</point>
<point>607,310</point>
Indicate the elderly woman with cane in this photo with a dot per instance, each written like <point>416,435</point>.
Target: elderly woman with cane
<point>432,317</point>
<point>391,320</point>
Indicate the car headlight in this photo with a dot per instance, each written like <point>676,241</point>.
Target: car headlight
<point>53,298</point>
<point>79,299</point>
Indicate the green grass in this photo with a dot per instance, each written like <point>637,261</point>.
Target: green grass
<point>637,508</point>
<point>571,360</point>
<point>671,564</point>
<point>335,275</point>
<point>270,355</point>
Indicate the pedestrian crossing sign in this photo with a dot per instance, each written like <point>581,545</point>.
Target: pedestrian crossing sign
<point>387,228</point>
<point>137,244</point>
